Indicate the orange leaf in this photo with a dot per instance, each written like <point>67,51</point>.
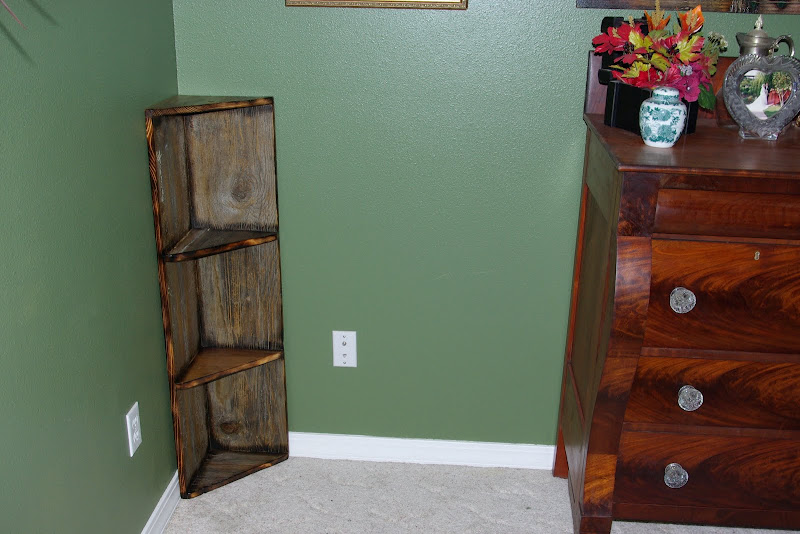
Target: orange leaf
<point>692,20</point>
<point>657,21</point>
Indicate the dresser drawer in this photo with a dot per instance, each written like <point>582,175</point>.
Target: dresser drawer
<point>720,213</point>
<point>723,471</point>
<point>724,296</point>
<point>689,391</point>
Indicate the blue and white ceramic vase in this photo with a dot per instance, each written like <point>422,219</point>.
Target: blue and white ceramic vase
<point>662,117</point>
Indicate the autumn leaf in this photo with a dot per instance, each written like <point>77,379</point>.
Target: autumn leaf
<point>692,20</point>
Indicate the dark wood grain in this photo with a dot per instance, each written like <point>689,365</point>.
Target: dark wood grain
<point>192,440</point>
<point>707,515</point>
<point>182,305</point>
<point>169,179</point>
<point>720,213</point>
<point>224,467</point>
<point>713,354</point>
<point>743,303</point>
<point>710,151</point>
<point>726,6</point>
<point>724,472</point>
<point>201,242</point>
<point>626,310</point>
<point>214,363</point>
<point>714,214</point>
<point>637,204</point>
<point>192,104</point>
<point>735,393</point>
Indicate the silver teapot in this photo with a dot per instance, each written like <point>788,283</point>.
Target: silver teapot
<point>761,88</point>
<point>757,42</point>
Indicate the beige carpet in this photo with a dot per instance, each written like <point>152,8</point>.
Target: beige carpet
<point>310,496</point>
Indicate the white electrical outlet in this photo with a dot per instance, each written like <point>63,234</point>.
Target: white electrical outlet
<point>134,428</point>
<point>344,349</point>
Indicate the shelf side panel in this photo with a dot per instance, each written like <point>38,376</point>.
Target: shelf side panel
<point>173,181</point>
<point>247,410</point>
<point>240,295</point>
<point>232,165</point>
<point>193,439</point>
<point>184,320</point>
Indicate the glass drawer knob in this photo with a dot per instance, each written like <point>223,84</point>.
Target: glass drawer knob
<point>689,398</point>
<point>681,300</point>
<point>675,476</point>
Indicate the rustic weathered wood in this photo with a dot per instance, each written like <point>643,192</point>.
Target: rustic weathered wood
<point>717,216</point>
<point>240,294</point>
<point>212,166</point>
<point>212,364</point>
<point>201,242</point>
<point>233,176</point>
<point>223,467</point>
<point>189,104</point>
<point>726,6</point>
<point>247,410</point>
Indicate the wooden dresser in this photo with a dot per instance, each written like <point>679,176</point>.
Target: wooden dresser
<point>681,392</point>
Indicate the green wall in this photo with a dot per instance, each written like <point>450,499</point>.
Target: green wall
<point>429,165</point>
<point>80,313</point>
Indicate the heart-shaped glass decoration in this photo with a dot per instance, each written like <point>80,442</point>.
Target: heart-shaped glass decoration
<point>761,94</point>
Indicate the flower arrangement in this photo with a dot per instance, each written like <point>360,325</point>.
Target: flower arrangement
<point>654,56</point>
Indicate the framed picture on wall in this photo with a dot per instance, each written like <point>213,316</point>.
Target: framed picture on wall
<point>412,4</point>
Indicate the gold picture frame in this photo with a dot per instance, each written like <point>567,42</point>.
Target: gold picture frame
<point>408,4</point>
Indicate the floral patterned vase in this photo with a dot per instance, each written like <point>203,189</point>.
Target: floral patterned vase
<point>662,117</point>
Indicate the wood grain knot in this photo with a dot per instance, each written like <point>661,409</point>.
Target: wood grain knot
<point>230,427</point>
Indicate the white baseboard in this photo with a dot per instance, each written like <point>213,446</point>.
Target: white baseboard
<point>420,451</point>
<point>164,509</point>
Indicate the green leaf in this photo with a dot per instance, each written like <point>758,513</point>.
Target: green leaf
<point>660,62</point>
<point>706,100</point>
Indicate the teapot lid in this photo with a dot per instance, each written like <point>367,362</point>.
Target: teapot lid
<point>756,37</point>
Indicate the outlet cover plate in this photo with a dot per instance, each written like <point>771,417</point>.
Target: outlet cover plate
<point>344,349</point>
<point>134,426</point>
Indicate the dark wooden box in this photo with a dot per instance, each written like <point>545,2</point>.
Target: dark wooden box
<point>622,107</point>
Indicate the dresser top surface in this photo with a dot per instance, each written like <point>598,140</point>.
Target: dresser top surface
<point>710,151</point>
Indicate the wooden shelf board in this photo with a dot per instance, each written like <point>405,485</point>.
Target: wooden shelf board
<point>214,363</point>
<point>200,242</point>
<point>189,104</point>
<point>222,467</point>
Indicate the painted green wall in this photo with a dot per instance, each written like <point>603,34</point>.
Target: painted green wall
<point>429,165</point>
<point>80,313</point>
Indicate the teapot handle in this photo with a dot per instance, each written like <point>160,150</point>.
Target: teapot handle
<point>786,39</point>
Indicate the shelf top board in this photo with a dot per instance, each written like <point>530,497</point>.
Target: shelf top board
<point>185,104</point>
<point>711,150</point>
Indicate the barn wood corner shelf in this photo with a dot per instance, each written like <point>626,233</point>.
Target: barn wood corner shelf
<point>682,371</point>
<point>212,170</point>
